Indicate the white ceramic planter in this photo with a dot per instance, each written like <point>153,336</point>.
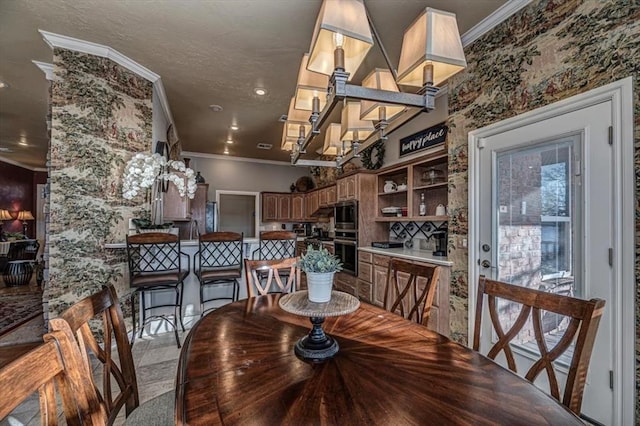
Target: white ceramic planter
<point>320,285</point>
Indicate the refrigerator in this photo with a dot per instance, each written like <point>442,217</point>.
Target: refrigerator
<point>212,217</point>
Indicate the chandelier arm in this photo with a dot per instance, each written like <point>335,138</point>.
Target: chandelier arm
<point>376,37</point>
<point>353,91</point>
<point>394,125</point>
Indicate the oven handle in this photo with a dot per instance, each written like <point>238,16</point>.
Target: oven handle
<point>345,242</point>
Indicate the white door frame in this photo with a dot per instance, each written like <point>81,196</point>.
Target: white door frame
<point>620,93</point>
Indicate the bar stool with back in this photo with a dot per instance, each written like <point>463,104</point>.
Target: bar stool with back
<point>155,265</point>
<point>218,262</point>
<point>276,245</point>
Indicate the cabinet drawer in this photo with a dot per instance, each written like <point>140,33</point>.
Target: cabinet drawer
<point>365,291</point>
<point>364,256</point>
<point>346,287</point>
<point>381,260</point>
<point>365,271</point>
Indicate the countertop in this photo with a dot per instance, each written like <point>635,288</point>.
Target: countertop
<point>409,254</point>
<point>183,243</point>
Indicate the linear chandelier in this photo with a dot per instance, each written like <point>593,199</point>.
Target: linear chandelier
<point>431,53</point>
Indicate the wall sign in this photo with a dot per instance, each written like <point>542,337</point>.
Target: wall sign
<point>424,139</point>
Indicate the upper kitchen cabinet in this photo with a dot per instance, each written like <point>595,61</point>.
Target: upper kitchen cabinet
<point>327,196</point>
<point>348,187</point>
<point>276,207</point>
<point>298,207</point>
<point>313,202</point>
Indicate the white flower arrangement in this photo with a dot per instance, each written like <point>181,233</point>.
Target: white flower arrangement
<point>145,168</point>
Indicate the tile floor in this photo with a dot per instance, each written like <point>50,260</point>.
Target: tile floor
<point>156,362</point>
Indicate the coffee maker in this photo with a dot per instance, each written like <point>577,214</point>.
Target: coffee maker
<point>440,238</point>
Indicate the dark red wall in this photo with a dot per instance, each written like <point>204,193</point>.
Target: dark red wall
<point>18,192</point>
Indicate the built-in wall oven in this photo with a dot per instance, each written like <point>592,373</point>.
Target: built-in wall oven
<point>345,242</point>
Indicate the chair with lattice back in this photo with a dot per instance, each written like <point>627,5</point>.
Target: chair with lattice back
<point>218,262</point>
<point>155,266</point>
<point>271,276</point>
<point>583,318</point>
<point>410,289</point>
<point>117,368</point>
<point>276,245</point>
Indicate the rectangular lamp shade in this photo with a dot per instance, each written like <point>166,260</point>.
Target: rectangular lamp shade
<point>310,84</point>
<point>25,215</point>
<point>332,141</point>
<point>291,133</point>
<point>351,123</point>
<point>432,38</point>
<point>345,17</point>
<point>380,79</point>
<point>5,215</point>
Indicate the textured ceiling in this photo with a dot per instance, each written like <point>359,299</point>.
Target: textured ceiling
<point>207,52</point>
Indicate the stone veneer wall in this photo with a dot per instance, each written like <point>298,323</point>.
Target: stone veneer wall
<point>548,51</point>
<point>101,113</point>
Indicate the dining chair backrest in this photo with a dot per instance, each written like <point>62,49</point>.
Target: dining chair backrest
<point>219,250</point>
<point>104,306</point>
<point>410,289</point>
<point>276,245</point>
<point>583,320</point>
<point>56,362</point>
<point>261,275</point>
<point>153,253</point>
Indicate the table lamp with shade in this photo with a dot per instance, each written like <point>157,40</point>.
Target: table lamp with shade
<point>24,216</point>
<point>4,215</point>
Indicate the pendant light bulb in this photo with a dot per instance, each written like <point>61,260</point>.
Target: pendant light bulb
<point>338,39</point>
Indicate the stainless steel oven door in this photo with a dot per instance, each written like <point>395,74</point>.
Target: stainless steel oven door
<point>347,252</point>
<point>346,215</point>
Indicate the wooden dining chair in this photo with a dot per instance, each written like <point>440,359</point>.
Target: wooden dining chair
<point>218,262</point>
<point>105,307</point>
<point>56,362</point>
<point>583,316</point>
<point>281,274</point>
<point>410,289</point>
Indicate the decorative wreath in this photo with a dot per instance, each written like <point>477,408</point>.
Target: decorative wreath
<point>376,149</point>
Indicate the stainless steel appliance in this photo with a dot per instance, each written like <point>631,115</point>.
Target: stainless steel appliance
<point>347,252</point>
<point>346,215</point>
<point>441,243</point>
<point>212,217</point>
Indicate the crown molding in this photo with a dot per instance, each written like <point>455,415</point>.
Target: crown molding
<point>496,18</point>
<point>77,45</point>
<point>190,154</point>
<point>18,164</point>
<point>46,68</point>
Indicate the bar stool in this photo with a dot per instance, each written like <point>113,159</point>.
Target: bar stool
<point>155,266</point>
<point>219,261</point>
<point>276,245</point>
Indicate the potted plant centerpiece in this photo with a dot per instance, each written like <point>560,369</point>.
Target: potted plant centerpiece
<point>320,266</point>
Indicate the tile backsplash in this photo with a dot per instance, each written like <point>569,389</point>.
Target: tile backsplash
<point>418,235</point>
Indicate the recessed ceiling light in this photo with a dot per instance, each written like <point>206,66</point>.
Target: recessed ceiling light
<point>234,127</point>
<point>3,85</point>
<point>23,143</point>
<point>229,141</point>
<point>260,91</point>
<point>215,108</point>
<point>5,149</point>
<point>226,151</point>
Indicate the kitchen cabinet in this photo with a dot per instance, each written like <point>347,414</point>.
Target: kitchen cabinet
<point>372,282</point>
<point>298,207</point>
<point>313,202</point>
<point>327,196</point>
<point>276,207</point>
<point>427,176</point>
<point>347,188</point>
<point>347,283</point>
<point>331,195</point>
<point>174,206</point>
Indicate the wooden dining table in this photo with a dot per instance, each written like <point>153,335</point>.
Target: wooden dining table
<point>238,367</point>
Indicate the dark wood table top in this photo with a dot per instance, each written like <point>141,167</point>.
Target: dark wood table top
<point>237,366</point>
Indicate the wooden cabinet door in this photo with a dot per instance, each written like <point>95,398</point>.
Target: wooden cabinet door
<point>284,207</point>
<point>341,190</point>
<point>298,207</point>
<point>352,187</point>
<point>322,197</point>
<point>312,203</point>
<point>174,206</point>
<point>331,195</point>
<point>198,206</point>
<point>379,284</point>
<point>269,207</point>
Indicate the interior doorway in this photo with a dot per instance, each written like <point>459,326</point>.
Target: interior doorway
<point>238,212</point>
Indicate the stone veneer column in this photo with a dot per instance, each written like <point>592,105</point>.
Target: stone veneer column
<point>101,113</point>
